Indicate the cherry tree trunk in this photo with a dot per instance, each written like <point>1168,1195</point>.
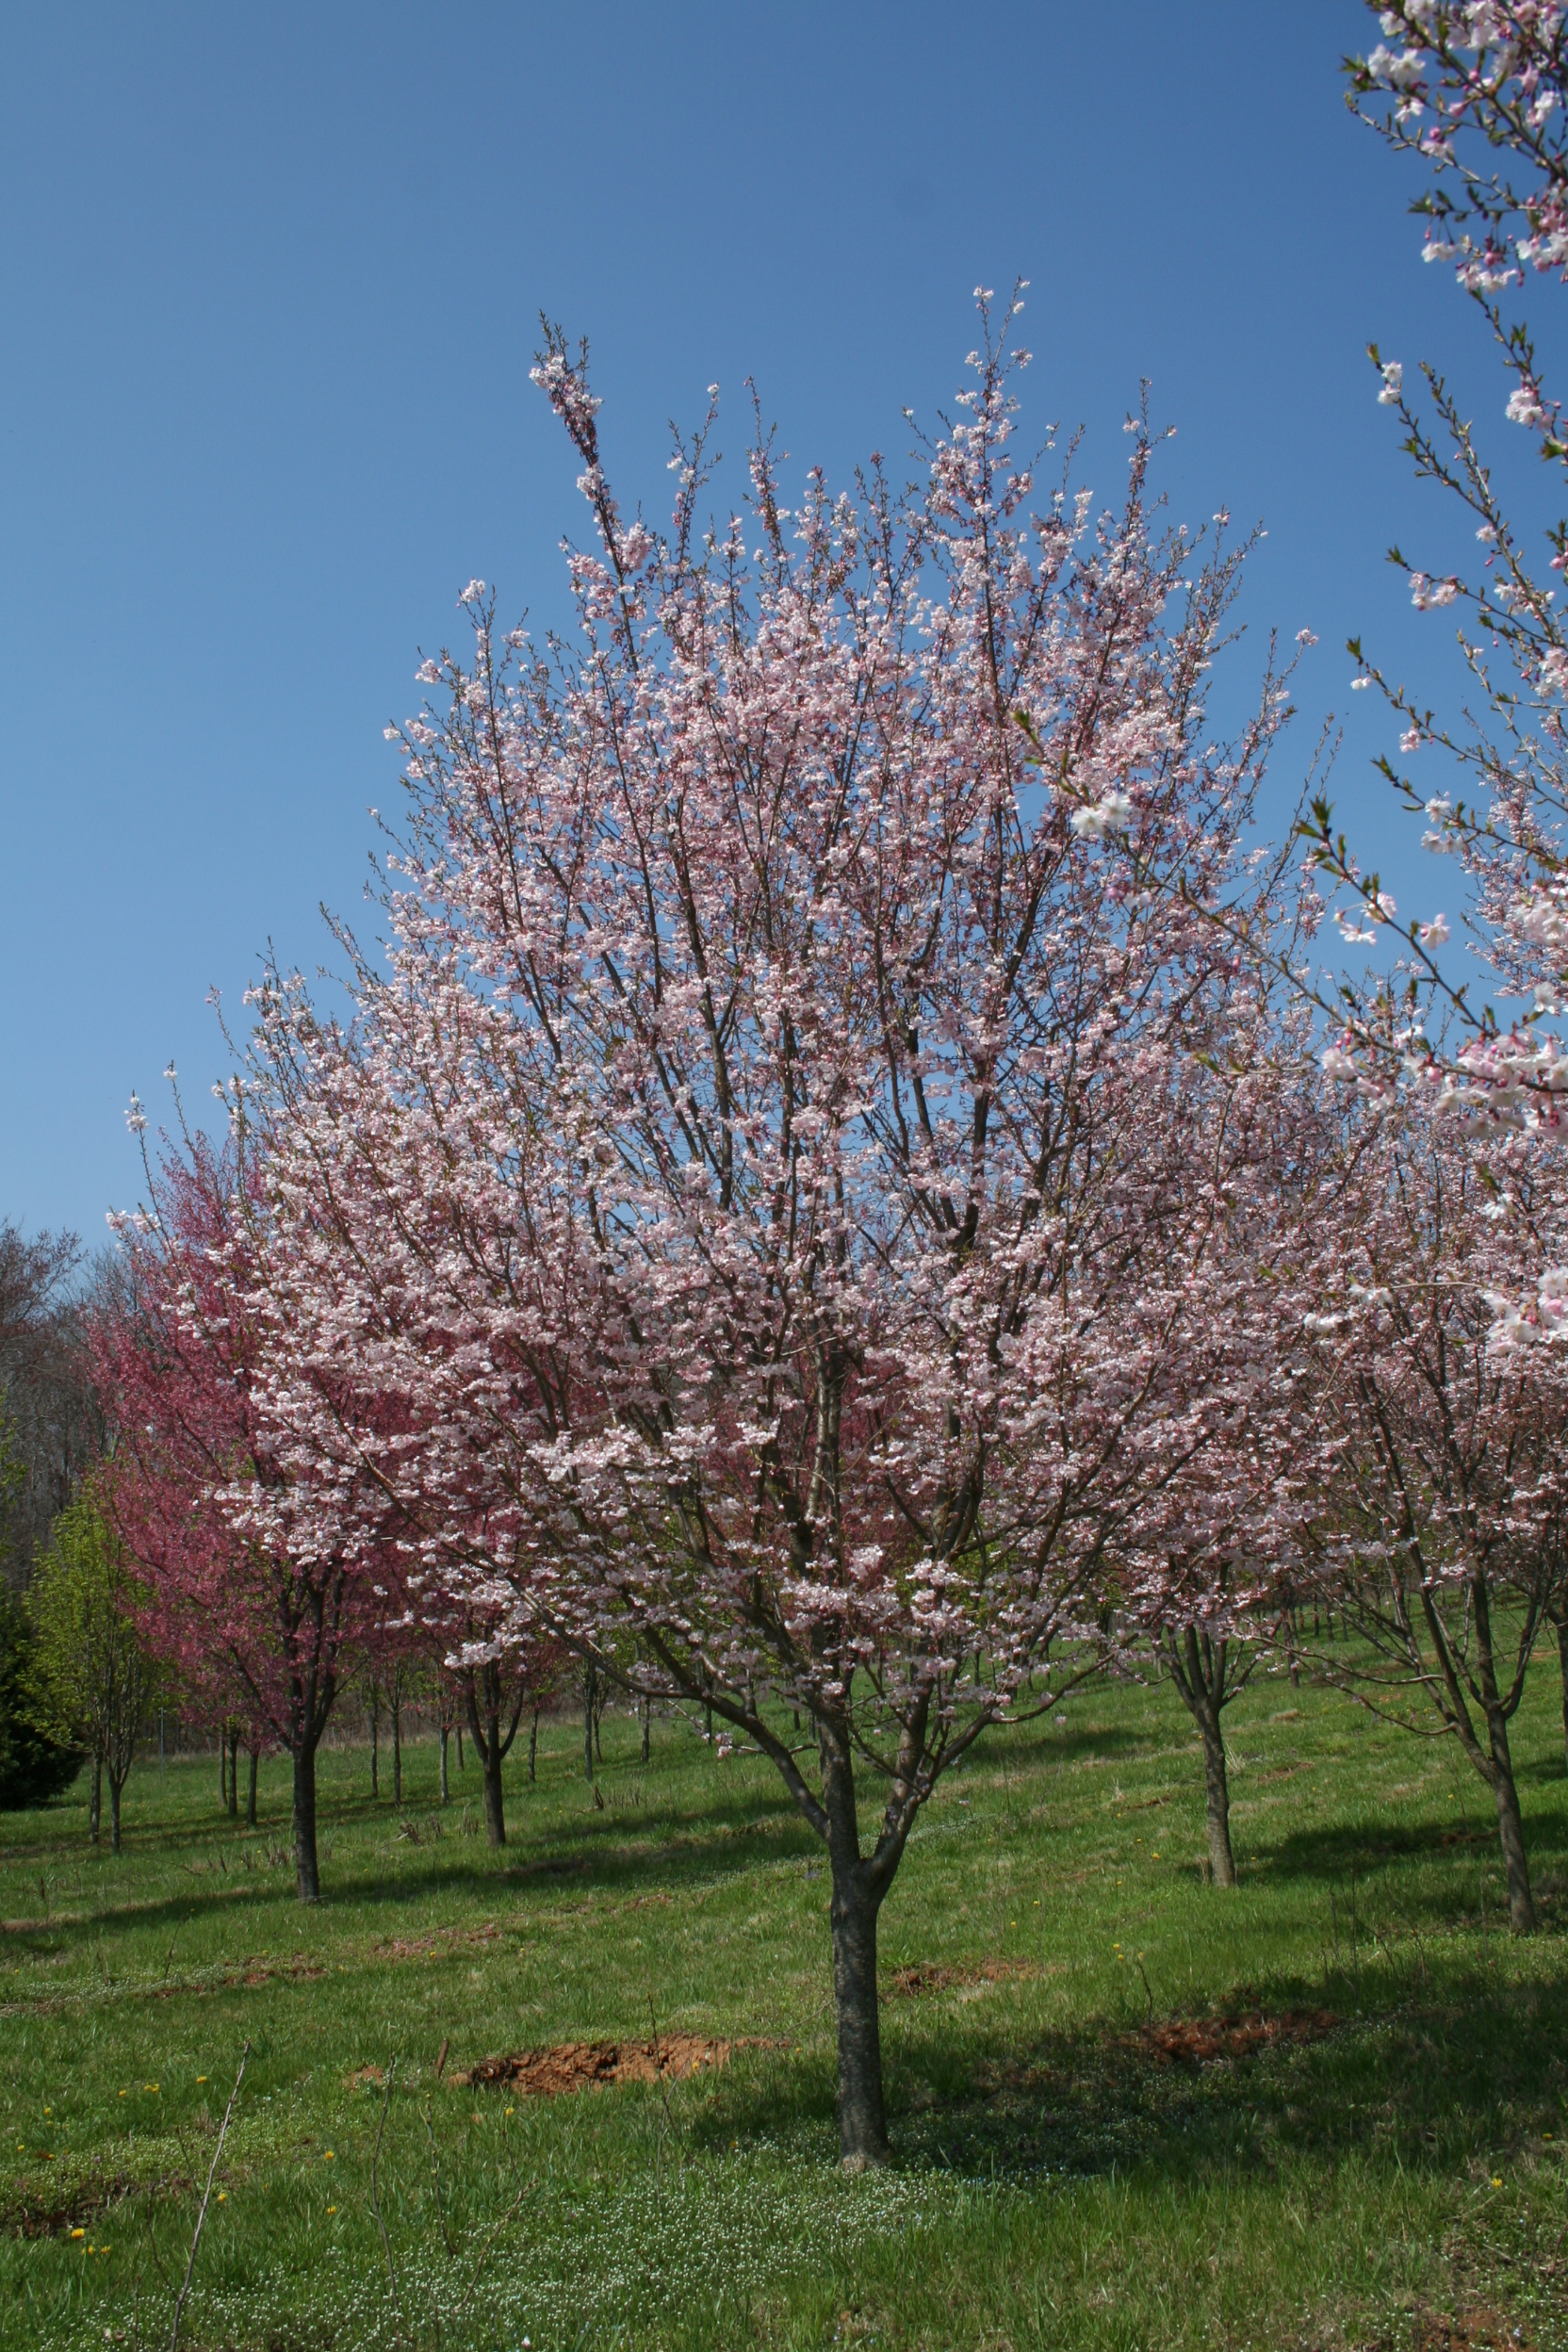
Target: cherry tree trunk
<point>396,1749</point>
<point>647,1727</point>
<point>853,1908</point>
<point>114,1814</point>
<point>1510,1831</point>
<point>446,1790</point>
<point>1562,1660</point>
<point>96,1807</point>
<point>495,1809</point>
<point>532,1746</point>
<point>234,1772</point>
<point>588,1682</point>
<point>307,1873</point>
<point>251,1793</point>
<point>1217,1795</point>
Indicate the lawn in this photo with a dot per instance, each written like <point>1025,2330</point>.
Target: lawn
<point>1074,2166</point>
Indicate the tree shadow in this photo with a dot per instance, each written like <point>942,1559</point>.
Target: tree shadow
<point>1420,2087</point>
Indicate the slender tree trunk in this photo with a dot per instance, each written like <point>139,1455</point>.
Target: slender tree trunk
<point>588,1680</point>
<point>397,1748</point>
<point>1510,1831</point>
<point>375,1742</point>
<point>95,1805</point>
<point>488,1746</point>
<point>532,1746</point>
<point>234,1771</point>
<point>647,1727</point>
<point>461,1766</point>
<point>495,1807</point>
<point>446,1790</point>
<point>307,1875</point>
<point>853,1908</point>
<point>114,1814</point>
<point>223,1769</point>
<point>1218,1789</point>
<point>251,1793</point>
<point>1561,1625</point>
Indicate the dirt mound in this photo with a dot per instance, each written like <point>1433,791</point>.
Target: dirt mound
<point>1199,2040</point>
<point>584,2065</point>
<point>1476,2331</point>
<point>938,1977</point>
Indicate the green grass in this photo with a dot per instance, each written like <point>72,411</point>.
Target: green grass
<point>1053,2185</point>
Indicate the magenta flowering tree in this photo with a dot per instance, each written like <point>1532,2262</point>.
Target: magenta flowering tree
<point>760,1175</point>
<point>260,1575</point>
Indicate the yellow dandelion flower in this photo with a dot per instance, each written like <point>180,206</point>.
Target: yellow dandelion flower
<point>332,2209</point>
<point>200,2078</point>
<point>1496,2179</point>
<point>223,2196</point>
<point>326,2155</point>
<point>78,2234</point>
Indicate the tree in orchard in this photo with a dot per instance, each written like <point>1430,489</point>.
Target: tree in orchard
<point>1439,1416</point>
<point>748,1175</point>
<point>1209,1565</point>
<point>198,1442</point>
<point>1475,91</point>
<point>95,1678</point>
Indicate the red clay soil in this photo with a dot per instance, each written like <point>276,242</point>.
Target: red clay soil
<point>584,2065</point>
<point>1200,2040</point>
<point>936,1977</point>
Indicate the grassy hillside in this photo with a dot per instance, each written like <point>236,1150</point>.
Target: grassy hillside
<point>1072,2168</point>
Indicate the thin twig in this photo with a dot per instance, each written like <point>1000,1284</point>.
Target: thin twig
<point>478,2259</point>
<point>206,2193</point>
<point>1148,1987</point>
<point>435,2175</point>
<point>375,2199</point>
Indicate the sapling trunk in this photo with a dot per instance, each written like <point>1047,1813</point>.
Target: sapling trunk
<point>234,1772</point>
<point>853,1908</point>
<point>251,1793</point>
<point>533,1745</point>
<point>1561,1623</point>
<point>647,1727</point>
<point>223,1769</point>
<point>95,1805</point>
<point>114,1812</point>
<point>375,1742</point>
<point>446,1790</point>
<point>1510,1832</point>
<point>588,1679</point>
<point>1217,1804</point>
<point>306,1874</point>
<point>397,1748</point>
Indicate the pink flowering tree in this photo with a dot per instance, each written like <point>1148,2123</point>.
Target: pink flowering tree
<point>1207,1571</point>
<point>1437,1410</point>
<point>257,1599</point>
<point>1475,93</point>
<point>750,1175</point>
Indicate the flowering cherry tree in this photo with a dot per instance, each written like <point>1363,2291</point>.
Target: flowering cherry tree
<point>748,1176</point>
<point>1438,1408</point>
<point>203,1488</point>
<point>1476,90</point>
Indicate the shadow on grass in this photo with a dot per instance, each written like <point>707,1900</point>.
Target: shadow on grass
<point>1468,2071</point>
<point>1332,1852</point>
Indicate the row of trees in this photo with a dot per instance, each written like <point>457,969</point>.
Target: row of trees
<point>836,1207</point>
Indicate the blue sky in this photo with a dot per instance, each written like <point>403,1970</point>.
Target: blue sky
<point>269,290</point>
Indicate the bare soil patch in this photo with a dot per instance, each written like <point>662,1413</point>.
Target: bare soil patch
<point>587,2065</point>
<point>1199,2041</point>
<point>938,1977</point>
<point>1478,2330</point>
